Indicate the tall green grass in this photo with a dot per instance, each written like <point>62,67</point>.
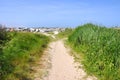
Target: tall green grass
<point>19,54</point>
<point>100,47</point>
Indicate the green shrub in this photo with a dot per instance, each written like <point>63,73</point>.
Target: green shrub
<point>3,37</point>
<point>101,49</point>
<point>16,60</point>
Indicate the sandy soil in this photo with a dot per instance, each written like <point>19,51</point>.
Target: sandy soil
<point>63,66</point>
<point>42,67</point>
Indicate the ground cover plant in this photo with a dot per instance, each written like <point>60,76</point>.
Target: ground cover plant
<point>19,53</point>
<point>100,47</point>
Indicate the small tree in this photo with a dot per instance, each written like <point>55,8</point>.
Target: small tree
<point>3,35</point>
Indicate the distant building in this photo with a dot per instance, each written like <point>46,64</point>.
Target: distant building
<point>11,29</point>
<point>55,32</point>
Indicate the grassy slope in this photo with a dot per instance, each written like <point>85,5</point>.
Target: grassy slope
<point>65,34</point>
<point>19,54</point>
<point>100,48</point>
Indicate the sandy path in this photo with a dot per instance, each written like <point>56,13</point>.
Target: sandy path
<point>63,66</point>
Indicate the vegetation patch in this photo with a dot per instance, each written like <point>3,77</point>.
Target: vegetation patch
<point>65,34</point>
<point>19,53</point>
<point>100,47</point>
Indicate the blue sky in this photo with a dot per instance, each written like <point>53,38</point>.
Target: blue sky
<point>61,13</point>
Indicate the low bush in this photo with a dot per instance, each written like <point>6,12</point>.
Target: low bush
<point>19,54</point>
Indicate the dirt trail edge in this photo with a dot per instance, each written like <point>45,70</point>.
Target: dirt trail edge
<point>63,66</point>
